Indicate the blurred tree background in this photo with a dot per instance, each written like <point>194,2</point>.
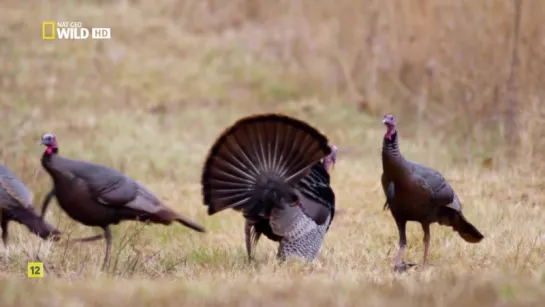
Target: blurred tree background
<point>467,72</point>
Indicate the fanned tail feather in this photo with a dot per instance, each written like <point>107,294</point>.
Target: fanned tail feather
<point>258,161</point>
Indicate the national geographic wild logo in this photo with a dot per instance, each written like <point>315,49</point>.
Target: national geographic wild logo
<point>72,30</point>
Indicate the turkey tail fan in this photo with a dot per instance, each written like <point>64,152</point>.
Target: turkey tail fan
<point>258,160</point>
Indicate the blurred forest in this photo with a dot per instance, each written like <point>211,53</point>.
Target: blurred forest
<point>467,70</point>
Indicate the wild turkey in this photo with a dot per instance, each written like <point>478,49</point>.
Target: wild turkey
<point>275,169</point>
<point>97,195</point>
<point>415,192</point>
<point>16,205</point>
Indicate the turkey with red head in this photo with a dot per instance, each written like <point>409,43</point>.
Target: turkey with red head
<point>275,170</point>
<point>97,195</point>
<point>415,192</point>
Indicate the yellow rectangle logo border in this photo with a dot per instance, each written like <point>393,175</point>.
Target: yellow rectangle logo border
<point>44,24</point>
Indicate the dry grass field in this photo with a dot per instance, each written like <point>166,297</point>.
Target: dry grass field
<point>152,100</point>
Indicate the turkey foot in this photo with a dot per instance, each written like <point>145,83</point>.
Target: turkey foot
<point>403,266</point>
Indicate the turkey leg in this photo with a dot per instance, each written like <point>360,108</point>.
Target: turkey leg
<point>400,266</point>
<point>426,229</point>
<point>4,224</point>
<point>251,238</point>
<point>248,236</point>
<point>46,201</point>
<point>108,236</point>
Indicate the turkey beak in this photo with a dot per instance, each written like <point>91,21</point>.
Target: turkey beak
<point>41,142</point>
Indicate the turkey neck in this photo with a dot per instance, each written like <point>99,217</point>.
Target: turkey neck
<point>393,161</point>
<point>48,161</point>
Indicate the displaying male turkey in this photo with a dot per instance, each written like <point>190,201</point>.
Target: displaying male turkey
<point>16,205</point>
<point>97,195</point>
<point>415,192</point>
<point>275,169</point>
